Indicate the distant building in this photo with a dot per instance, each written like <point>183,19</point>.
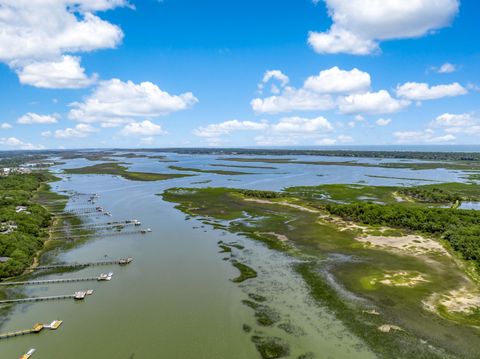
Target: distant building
<point>19,209</point>
<point>8,227</point>
<point>7,171</point>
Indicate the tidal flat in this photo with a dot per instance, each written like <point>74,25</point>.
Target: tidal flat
<point>377,291</point>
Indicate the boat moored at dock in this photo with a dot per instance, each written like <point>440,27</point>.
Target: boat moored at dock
<point>105,276</point>
<point>53,325</point>
<point>80,295</point>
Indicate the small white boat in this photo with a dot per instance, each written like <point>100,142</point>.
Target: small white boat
<point>80,295</point>
<point>53,325</point>
<point>105,276</point>
<point>125,261</point>
<point>28,354</point>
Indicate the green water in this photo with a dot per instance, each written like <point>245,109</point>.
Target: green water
<point>176,299</point>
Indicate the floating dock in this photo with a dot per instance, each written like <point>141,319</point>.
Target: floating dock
<point>37,328</point>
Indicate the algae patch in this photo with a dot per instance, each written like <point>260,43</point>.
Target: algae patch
<point>271,347</point>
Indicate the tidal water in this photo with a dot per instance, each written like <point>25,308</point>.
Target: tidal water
<point>176,300</point>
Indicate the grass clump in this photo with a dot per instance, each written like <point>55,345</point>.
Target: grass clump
<point>245,272</point>
<point>265,316</point>
<point>246,328</point>
<point>257,297</point>
<point>271,347</point>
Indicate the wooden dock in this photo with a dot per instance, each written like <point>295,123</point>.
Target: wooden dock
<point>90,214</point>
<point>77,295</point>
<point>98,226</point>
<point>37,328</point>
<point>37,299</point>
<point>123,261</point>
<point>52,281</point>
<point>112,233</point>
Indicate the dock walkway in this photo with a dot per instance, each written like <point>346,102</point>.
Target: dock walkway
<point>37,328</point>
<point>124,261</point>
<point>51,281</point>
<point>80,295</point>
<point>20,332</point>
<point>113,233</point>
<point>37,299</point>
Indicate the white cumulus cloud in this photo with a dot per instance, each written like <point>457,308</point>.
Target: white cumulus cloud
<point>383,121</point>
<point>447,68</point>
<point>15,143</point>
<point>227,127</point>
<point>79,131</point>
<point>302,125</point>
<point>292,99</point>
<point>144,128</point>
<point>426,136</point>
<point>335,80</point>
<point>115,102</point>
<point>5,126</point>
<point>334,88</point>
<point>422,91</point>
<point>65,73</point>
<point>465,123</point>
<point>359,25</point>
<point>380,102</point>
<point>275,74</point>
<point>286,131</point>
<point>39,33</point>
<point>31,118</point>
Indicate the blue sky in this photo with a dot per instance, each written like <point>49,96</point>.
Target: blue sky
<point>188,73</point>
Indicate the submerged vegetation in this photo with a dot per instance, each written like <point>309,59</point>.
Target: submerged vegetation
<point>117,169</point>
<point>271,347</point>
